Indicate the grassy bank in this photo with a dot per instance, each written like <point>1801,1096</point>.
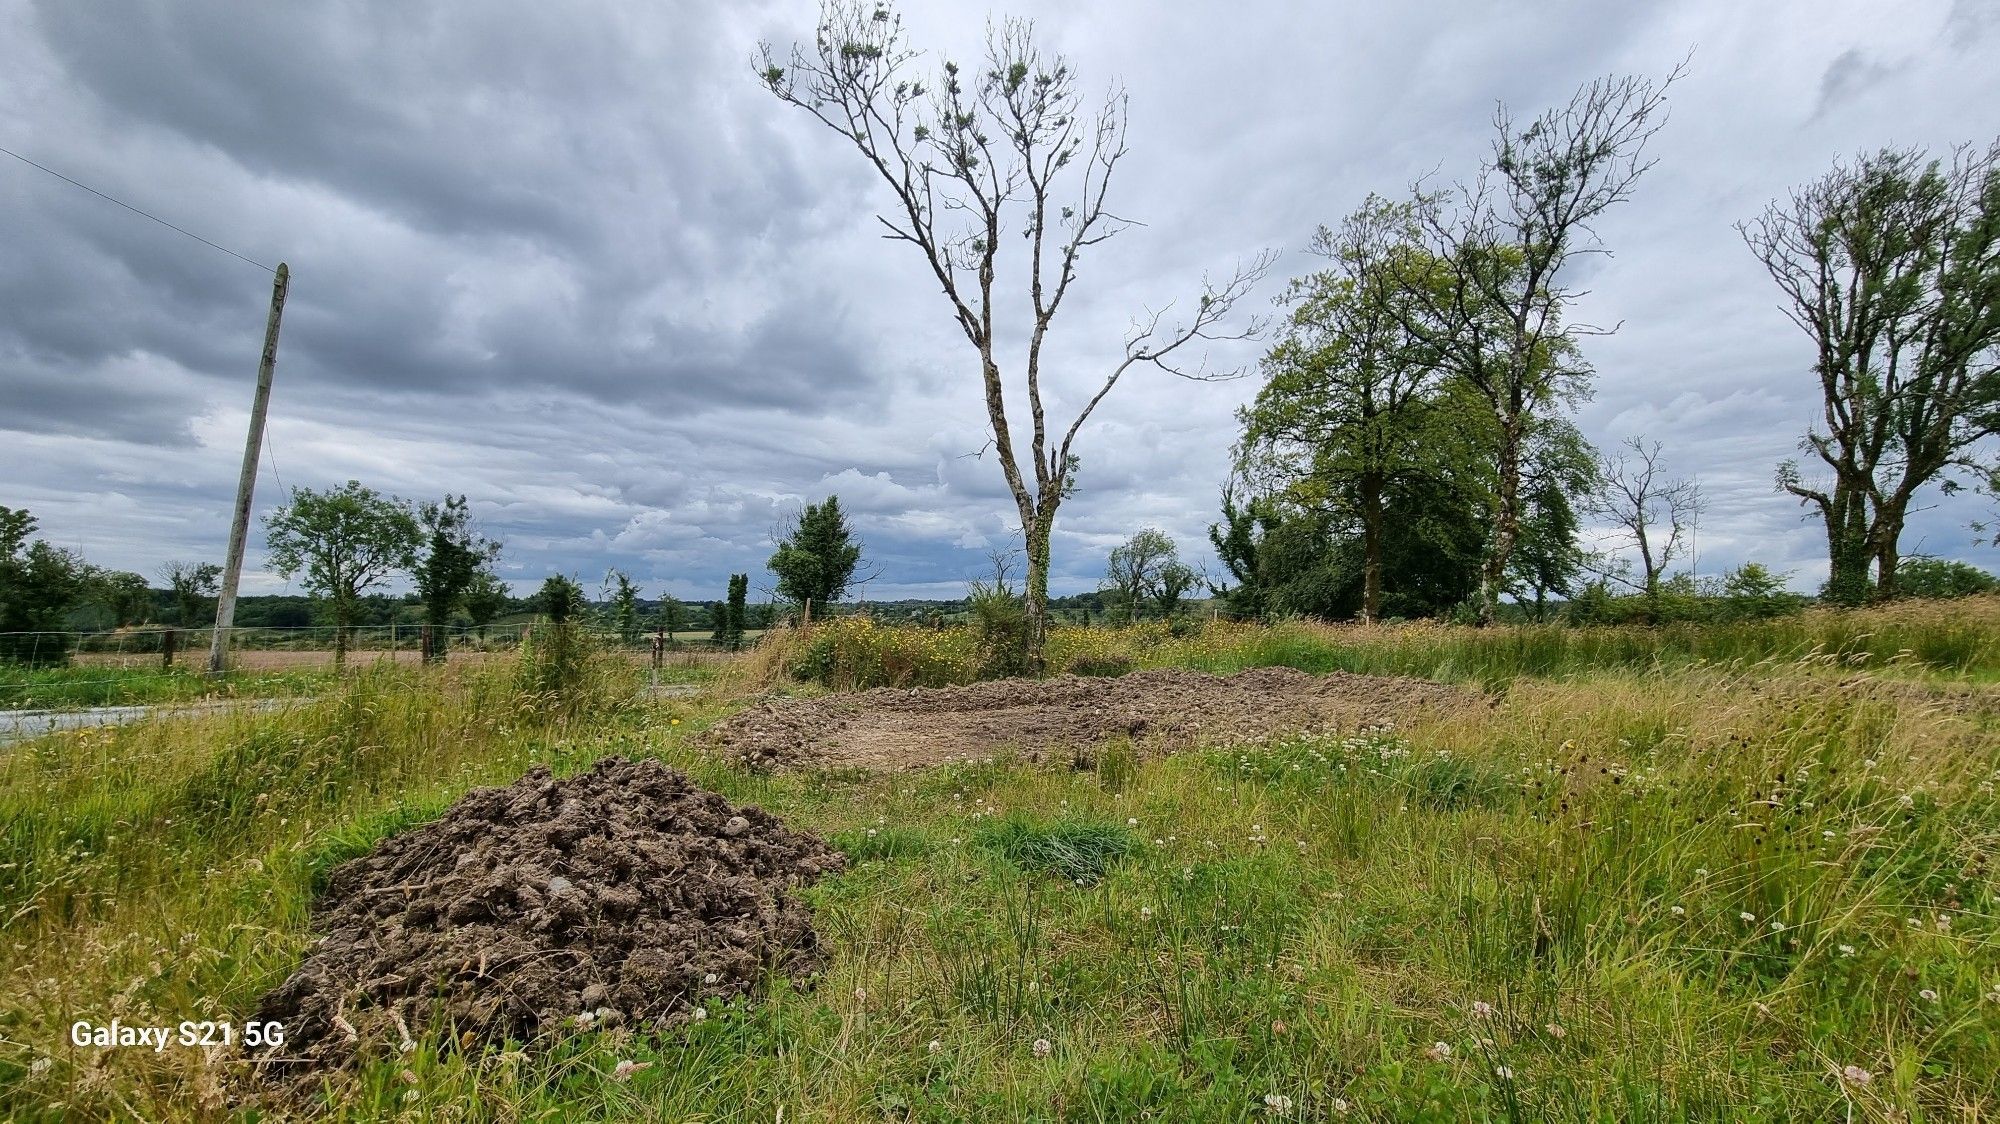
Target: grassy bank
<point>1648,889</point>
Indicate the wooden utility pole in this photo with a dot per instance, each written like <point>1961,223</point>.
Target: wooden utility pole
<point>239,528</point>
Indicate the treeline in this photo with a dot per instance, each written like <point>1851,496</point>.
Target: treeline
<point>1411,452</point>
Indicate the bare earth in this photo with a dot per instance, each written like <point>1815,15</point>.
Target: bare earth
<point>1160,710</point>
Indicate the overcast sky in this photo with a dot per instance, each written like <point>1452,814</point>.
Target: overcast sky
<point>571,260</point>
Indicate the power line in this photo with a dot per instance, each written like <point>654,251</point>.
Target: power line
<point>137,211</point>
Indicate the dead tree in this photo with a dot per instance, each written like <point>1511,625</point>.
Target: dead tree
<point>1655,514</point>
<point>971,159</point>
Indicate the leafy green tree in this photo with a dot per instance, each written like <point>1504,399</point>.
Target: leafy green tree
<point>1560,477</point>
<point>816,557</point>
<point>125,595</point>
<point>1134,570</point>
<point>622,594</point>
<point>729,624</point>
<point>1246,521</point>
<point>193,587</point>
<point>1753,592</point>
<point>560,599</point>
<point>1347,397</point>
<point>1491,291</point>
<point>39,584</point>
<point>344,541</point>
<point>673,615</point>
<point>1891,265</point>
<point>453,555</point>
<point>1943,579</point>
<point>485,597</point>
<point>1006,156</point>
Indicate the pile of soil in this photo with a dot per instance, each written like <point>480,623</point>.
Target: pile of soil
<point>622,896</point>
<point>1158,710</point>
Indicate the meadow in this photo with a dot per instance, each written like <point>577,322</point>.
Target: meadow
<point>1737,872</point>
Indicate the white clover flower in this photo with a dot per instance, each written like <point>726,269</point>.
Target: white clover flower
<point>1438,1051</point>
<point>1043,1048</point>
<point>1677,911</point>
<point>935,1047</point>
<point>624,1070</point>
<point>1481,1009</point>
<point>1747,916</point>
<point>700,1013</point>
<point>1856,1076</point>
<point>1777,926</point>
<point>1555,1030</point>
<point>1847,950</point>
<point>1927,995</point>
<point>1503,1073</point>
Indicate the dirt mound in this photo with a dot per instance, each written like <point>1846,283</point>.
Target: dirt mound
<point>1168,708</point>
<point>623,895</point>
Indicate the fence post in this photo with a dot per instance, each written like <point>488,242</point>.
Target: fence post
<point>425,641</point>
<point>169,642</point>
<point>659,653</point>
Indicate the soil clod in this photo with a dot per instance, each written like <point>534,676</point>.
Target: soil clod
<point>624,895</point>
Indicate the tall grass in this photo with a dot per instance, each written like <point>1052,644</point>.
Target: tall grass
<point>1959,637</point>
<point>1555,890</point>
<point>88,685</point>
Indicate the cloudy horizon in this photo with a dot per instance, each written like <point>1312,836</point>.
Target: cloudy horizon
<point>576,264</point>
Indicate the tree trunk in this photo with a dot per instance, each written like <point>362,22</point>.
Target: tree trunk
<point>1848,548</point>
<point>1037,596</point>
<point>1506,528</point>
<point>1888,552</point>
<point>1371,547</point>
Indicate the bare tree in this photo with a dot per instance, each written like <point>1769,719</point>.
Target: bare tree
<point>1492,290</point>
<point>1892,266</point>
<point>1656,515</point>
<point>969,159</point>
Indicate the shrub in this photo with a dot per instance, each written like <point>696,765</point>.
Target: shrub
<point>1000,624</point>
<point>1942,579</point>
<point>854,653</point>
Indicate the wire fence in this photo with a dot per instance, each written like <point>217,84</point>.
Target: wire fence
<point>164,665</point>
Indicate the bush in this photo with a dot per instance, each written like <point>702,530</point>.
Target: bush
<point>1753,592</point>
<point>1942,579</point>
<point>854,654</point>
<point>561,663</point>
<point>1000,625</point>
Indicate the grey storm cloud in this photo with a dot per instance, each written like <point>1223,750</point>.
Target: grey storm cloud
<point>570,260</point>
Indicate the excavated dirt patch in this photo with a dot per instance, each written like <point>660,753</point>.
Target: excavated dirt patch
<point>1158,710</point>
<point>621,896</point>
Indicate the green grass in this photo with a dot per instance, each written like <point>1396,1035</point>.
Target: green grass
<point>1960,639</point>
<point>89,685</point>
<point>1554,890</point>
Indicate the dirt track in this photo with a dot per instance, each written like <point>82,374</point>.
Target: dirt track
<point>1158,710</point>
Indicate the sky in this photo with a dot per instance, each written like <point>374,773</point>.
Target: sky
<point>572,261</point>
